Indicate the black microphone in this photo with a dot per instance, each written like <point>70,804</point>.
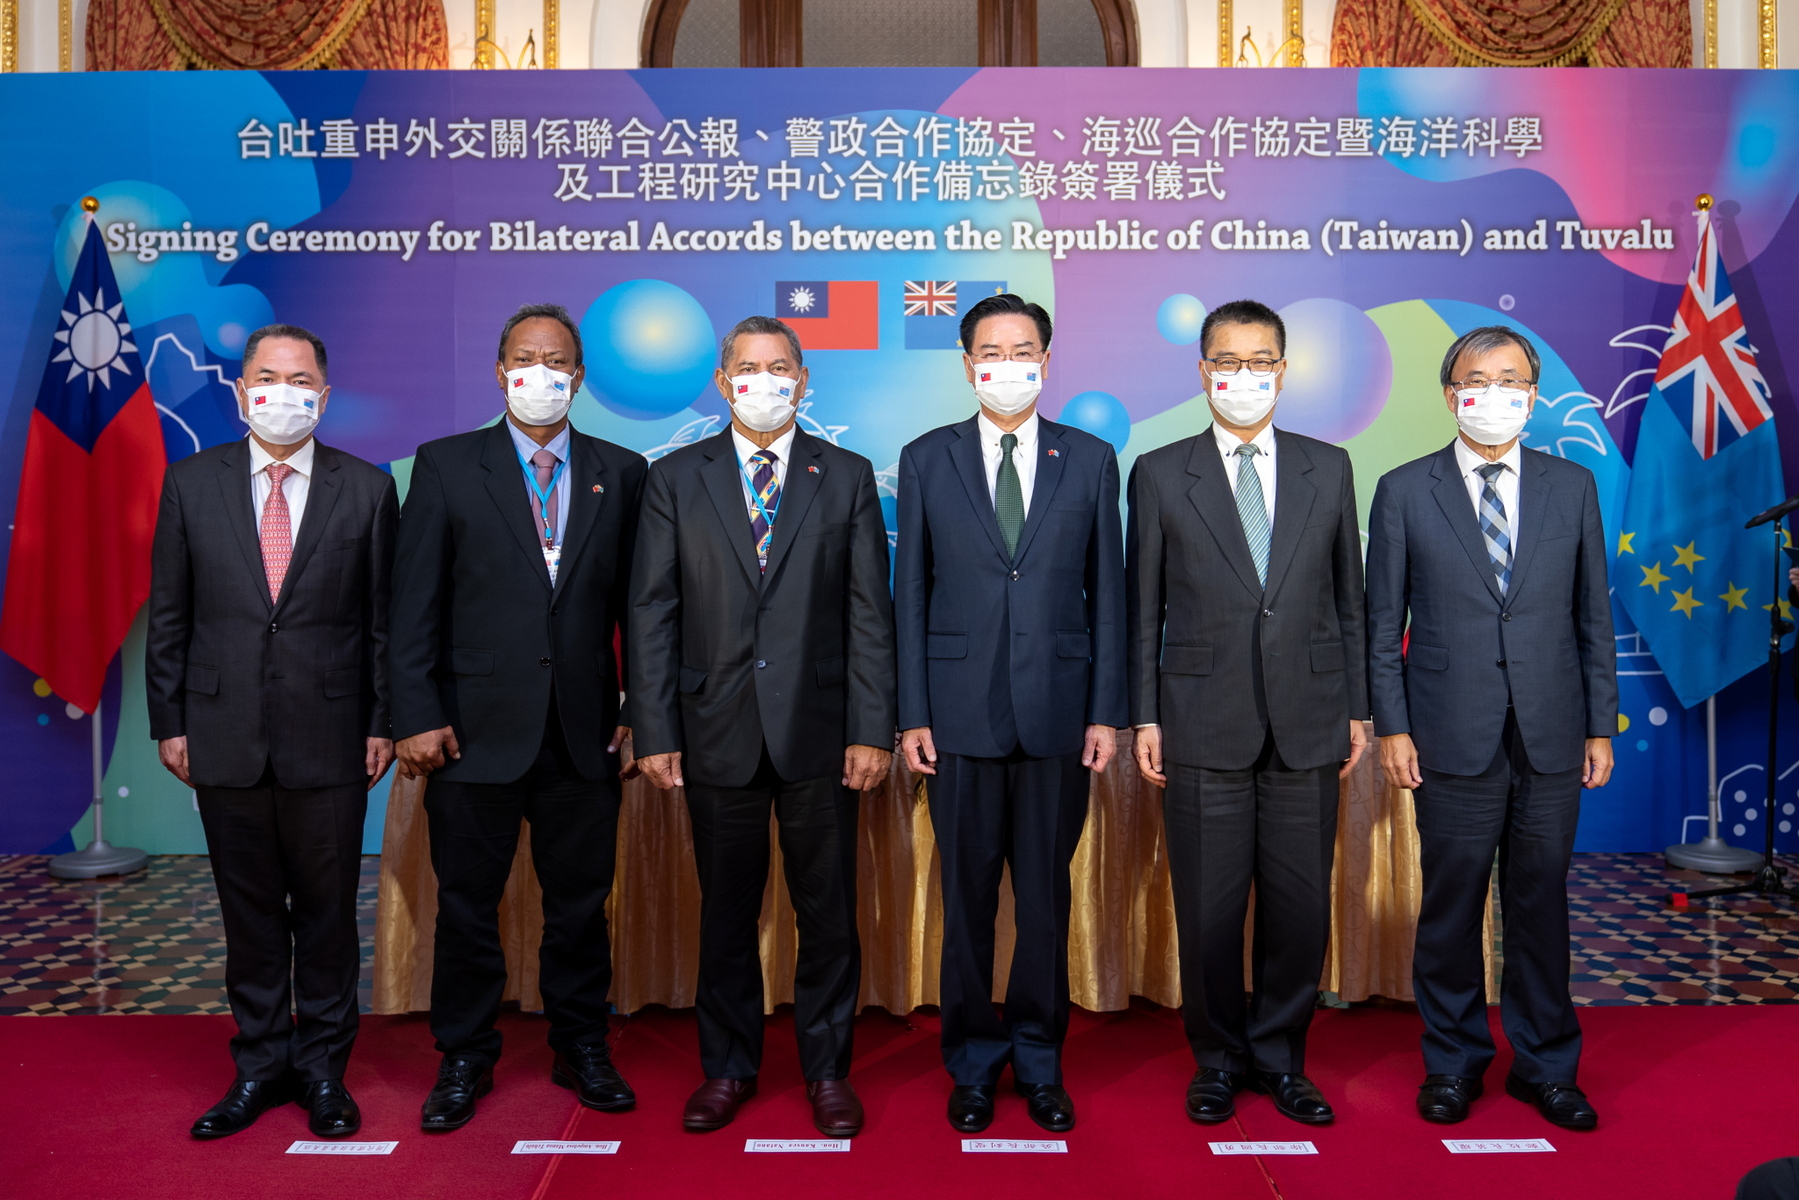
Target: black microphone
<point>1773,514</point>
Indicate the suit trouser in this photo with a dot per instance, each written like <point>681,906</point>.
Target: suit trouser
<point>1529,817</point>
<point>574,844</point>
<point>1276,827</point>
<point>817,819</point>
<point>286,862</point>
<point>986,813</point>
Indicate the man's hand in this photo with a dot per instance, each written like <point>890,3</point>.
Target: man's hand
<point>662,770</point>
<point>920,750</point>
<point>865,766</point>
<point>173,752</point>
<point>1599,763</point>
<point>621,745</point>
<point>423,753</point>
<point>377,758</point>
<point>1358,744</point>
<point>1149,755</point>
<point>1102,744</point>
<point>1399,761</point>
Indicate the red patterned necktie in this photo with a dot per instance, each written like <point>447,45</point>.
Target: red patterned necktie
<point>277,530</point>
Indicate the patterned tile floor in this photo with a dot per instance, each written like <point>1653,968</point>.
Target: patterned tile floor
<point>152,942</point>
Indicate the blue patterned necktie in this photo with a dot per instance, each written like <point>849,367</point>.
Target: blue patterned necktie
<point>767,503</point>
<point>1493,526</point>
<point>1252,508</point>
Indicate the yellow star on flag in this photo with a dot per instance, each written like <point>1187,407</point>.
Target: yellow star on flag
<point>1733,597</point>
<point>1685,604</point>
<point>1685,556</point>
<point>1624,546</point>
<point>1786,609</point>
<point>1653,578</point>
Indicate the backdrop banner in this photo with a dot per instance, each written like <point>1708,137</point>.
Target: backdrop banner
<point>404,215</point>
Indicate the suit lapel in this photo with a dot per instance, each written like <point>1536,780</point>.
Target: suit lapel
<point>723,477</point>
<point>321,497</point>
<point>1452,497</point>
<point>506,487</point>
<point>1534,490</point>
<point>804,475</point>
<point>965,453</point>
<point>1217,507</point>
<point>240,510</point>
<point>1052,453</point>
<point>1293,499</point>
<point>586,496</point>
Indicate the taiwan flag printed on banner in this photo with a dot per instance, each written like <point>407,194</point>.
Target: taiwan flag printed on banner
<point>934,308</point>
<point>833,314</point>
<point>79,567</point>
<point>1688,573</point>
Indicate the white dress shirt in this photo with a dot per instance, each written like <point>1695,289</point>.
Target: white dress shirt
<point>1507,483</point>
<point>781,447</point>
<point>1024,456</point>
<point>1264,461</point>
<point>295,488</point>
<point>559,447</point>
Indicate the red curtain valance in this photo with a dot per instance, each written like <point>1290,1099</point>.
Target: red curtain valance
<point>266,35</point>
<point>1512,33</point>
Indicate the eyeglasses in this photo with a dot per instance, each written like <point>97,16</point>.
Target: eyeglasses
<point>1479,382</point>
<point>1257,366</point>
<point>993,356</point>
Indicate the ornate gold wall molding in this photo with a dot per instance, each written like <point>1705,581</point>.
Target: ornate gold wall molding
<point>9,35</point>
<point>552,34</point>
<point>1295,44</point>
<point>65,35</point>
<point>1768,34</point>
<point>1226,48</point>
<point>484,35</point>
<point>1711,33</point>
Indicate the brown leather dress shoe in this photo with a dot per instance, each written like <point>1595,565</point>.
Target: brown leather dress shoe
<point>716,1102</point>
<point>835,1110</point>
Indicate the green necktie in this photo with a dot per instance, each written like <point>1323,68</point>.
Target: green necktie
<point>1008,497</point>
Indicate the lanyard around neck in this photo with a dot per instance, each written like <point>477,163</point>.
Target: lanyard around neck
<point>768,515</point>
<point>543,494</point>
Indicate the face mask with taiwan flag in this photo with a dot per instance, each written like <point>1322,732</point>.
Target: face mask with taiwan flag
<point>537,395</point>
<point>280,413</point>
<point>763,401</point>
<point>1492,415</point>
<point>1008,387</point>
<point>1241,397</point>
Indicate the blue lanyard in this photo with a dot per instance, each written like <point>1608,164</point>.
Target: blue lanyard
<point>756,497</point>
<point>543,494</point>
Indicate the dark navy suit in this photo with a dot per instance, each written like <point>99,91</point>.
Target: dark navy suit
<point>1008,659</point>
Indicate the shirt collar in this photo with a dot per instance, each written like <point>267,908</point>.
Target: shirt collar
<point>1228,442</point>
<point>1468,461</point>
<point>300,460</point>
<point>526,447</point>
<point>782,447</point>
<point>991,433</point>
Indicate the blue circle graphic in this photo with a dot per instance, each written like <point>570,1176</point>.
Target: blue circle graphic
<point>1101,414</point>
<point>1180,318</point>
<point>650,349</point>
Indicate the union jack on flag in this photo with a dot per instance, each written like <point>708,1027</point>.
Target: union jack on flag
<point>1708,373</point>
<point>930,297</point>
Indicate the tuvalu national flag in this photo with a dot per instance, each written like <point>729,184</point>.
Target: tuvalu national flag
<point>934,308</point>
<point>831,314</point>
<point>79,568</point>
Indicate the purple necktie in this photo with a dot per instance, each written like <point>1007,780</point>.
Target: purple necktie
<point>544,463</point>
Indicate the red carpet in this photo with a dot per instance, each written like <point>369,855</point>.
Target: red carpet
<point>103,1103</point>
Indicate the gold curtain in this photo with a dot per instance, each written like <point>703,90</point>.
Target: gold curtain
<point>266,35</point>
<point>1121,943</point>
<point>1512,33</point>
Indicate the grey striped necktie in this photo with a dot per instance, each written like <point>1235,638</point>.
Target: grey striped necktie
<point>1252,508</point>
<point>1493,525</point>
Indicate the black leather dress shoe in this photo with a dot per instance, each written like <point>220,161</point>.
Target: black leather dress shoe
<point>333,1110</point>
<point>971,1107</point>
<point>1560,1103</point>
<point>460,1082</point>
<point>1049,1105</point>
<point>1445,1098</point>
<point>247,1100</point>
<point>589,1072</point>
<point>1212,1096</point>
<point>1296,1096</point>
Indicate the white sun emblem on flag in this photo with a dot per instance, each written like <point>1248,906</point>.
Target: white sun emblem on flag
<point>801,300</point>
<point>94,342</point>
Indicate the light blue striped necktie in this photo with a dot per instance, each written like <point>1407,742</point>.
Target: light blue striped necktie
<point>1493,526</point>
<point>1252,508</point>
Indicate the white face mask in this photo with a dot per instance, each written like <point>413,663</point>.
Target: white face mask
<point>1008,387</point>
<point>1242,398</point>
<point>1492,415</point>
<point>763,401</point>
<point>537,395</point>
<point>280,413</point>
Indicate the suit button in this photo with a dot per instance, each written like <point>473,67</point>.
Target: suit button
<point>1505,616</point>
<point>1500,664</point>
<point>272,627</point>
<point>760,663</point>
<point>1015,575</point>
<point>543,662</point>
<point>1267,612</point>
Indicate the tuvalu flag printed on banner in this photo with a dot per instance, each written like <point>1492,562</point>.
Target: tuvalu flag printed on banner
<point>79,568</point>
<point>1688,573</point>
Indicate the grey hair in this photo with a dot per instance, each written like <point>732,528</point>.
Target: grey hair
<point>754,325</point>
<point>1489,337</point>
<point>285,331</point>
<point>554,312</point>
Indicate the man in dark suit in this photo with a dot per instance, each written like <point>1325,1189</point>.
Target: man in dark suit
<point>1497,707</point>
<point>265,665</point>
<point>1248,691</point>
<point>1009,598</point>
<point>762,677</point>
<point>511,576</point>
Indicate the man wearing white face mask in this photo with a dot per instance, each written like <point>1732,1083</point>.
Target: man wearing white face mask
<point>1248,693</point>
<point>1497,711</point>
<point>762,679</point>
<point>266,671</point>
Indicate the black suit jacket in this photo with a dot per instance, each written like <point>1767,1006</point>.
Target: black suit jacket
<point>1042,633</point>
<point>480,635</point>
<point>301,683</point>
<point>1545,647</point>
<point>1217,659</point>
<point>726,657</point>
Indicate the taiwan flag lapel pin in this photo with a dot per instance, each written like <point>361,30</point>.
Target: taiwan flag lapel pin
<point>600,488</point>
<point>1054,453</point>
<point>813,470</point>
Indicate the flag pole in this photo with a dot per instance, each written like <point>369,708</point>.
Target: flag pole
<point>100,857</point>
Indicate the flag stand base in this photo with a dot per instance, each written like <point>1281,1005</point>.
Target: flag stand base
<point>100,858</point>
<point>1714,856</point>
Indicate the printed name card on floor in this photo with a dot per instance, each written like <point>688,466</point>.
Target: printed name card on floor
<point>565,1147</point>
<point>342,1147</point>
<point>1011,1146</point>
<point>796,1146</point>
<point>1498,1146</point>
<point>1263,1148</point>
